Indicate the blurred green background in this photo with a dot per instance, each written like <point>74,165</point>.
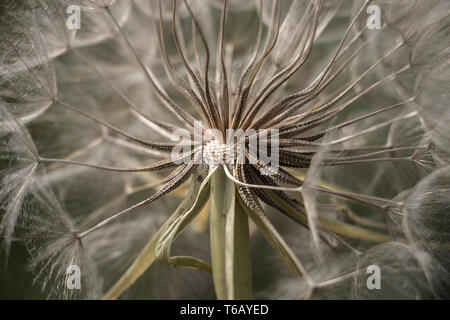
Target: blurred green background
<point>15,280</point>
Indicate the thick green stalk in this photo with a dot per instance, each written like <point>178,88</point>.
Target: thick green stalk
<point>230,242</point>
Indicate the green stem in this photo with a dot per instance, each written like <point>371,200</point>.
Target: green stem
<point>139,266</point>
<point>335,226</point>
<point>230,241</point>
<point>148,255</point>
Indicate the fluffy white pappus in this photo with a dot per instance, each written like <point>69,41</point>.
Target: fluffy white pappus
<point>18,163</point>
<point>391,270</point>
<point>87,122</point>
<point>33,32</point>
<point>426,221</point>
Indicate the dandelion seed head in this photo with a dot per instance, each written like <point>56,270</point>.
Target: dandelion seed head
<point>216,153</point>
<point>87,118</point>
